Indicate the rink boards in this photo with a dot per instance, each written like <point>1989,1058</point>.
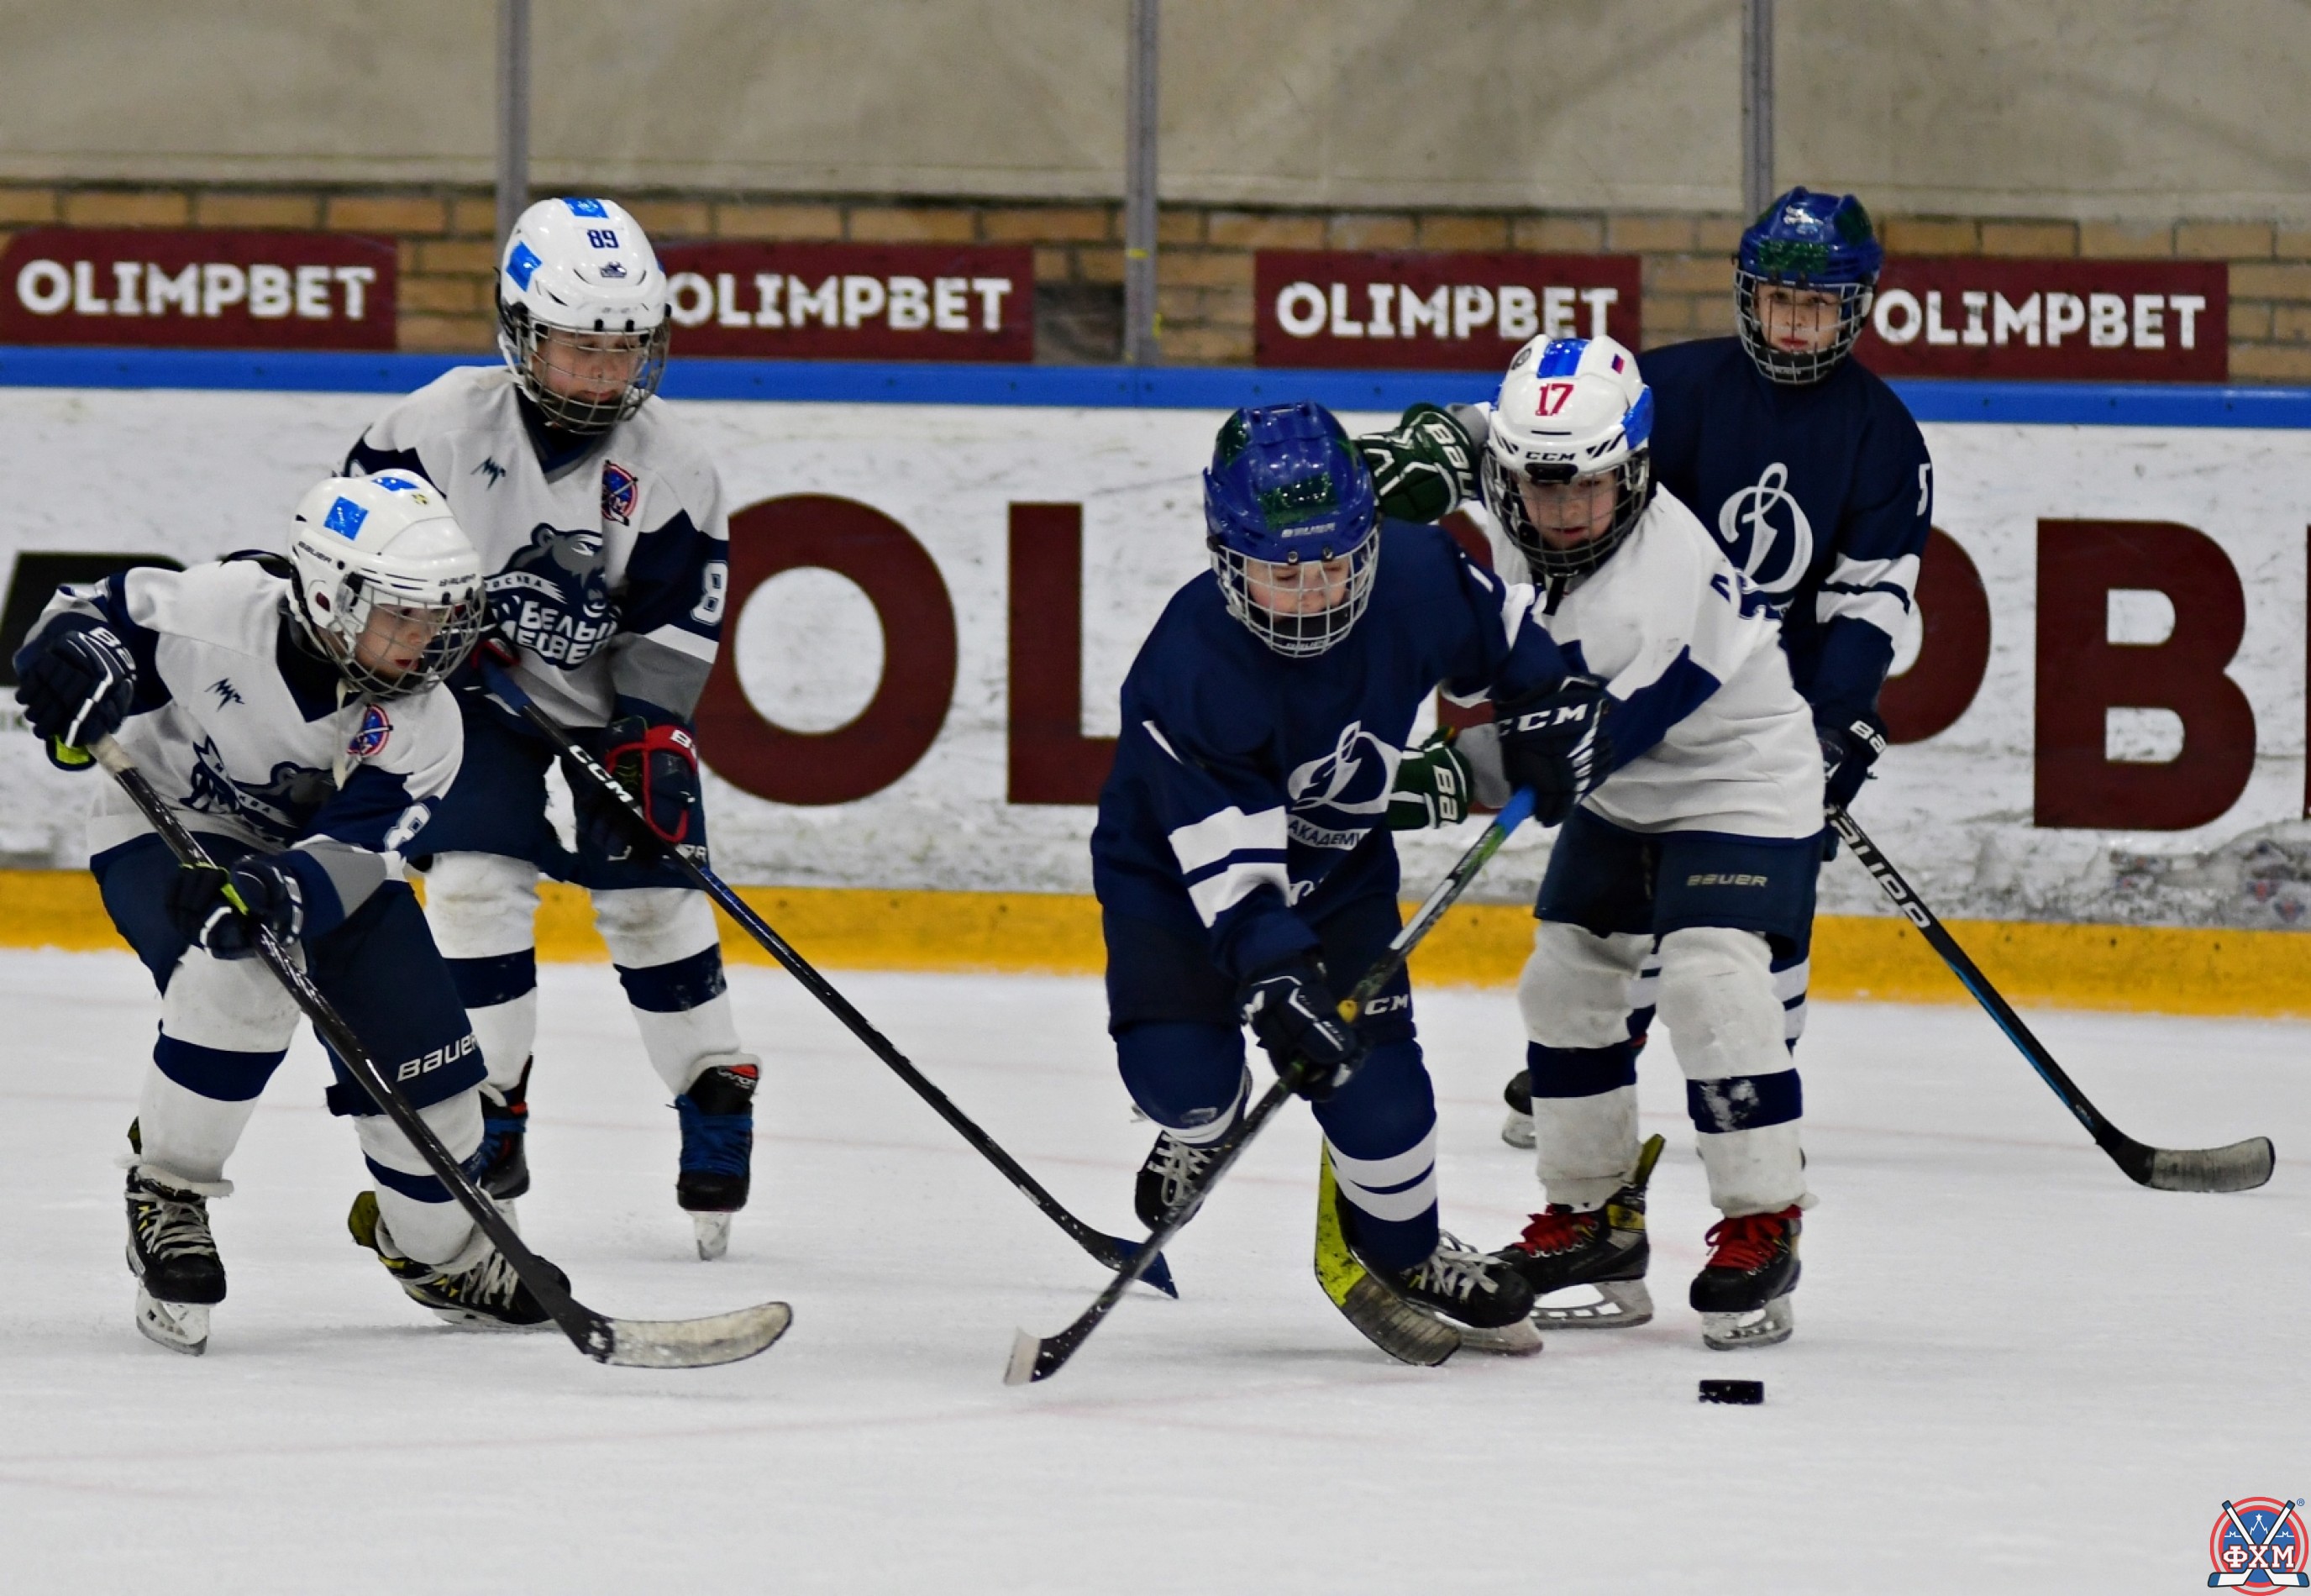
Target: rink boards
<point>934,604</point>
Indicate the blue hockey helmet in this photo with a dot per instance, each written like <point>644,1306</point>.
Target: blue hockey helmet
<point>1822,245</point>
<point>1292,525</point>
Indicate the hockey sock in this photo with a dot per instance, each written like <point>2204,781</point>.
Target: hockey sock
<point>1584,1119</point>
<point>483,908</point>
<point>1382,1128</point>
<point>427,1224</point>
<point>1188,1075</point>
<point>668,958</point>
<point>1719,998</point>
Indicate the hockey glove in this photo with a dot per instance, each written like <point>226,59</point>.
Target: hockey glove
<point>1846,756</point>
<point>1433,784</point>
<point>1422,467</point>
<point>1292,1011</point>
<point>76,687</point>
<point>265,884</point>
<point>1558,745</point>
<point>657,763</point>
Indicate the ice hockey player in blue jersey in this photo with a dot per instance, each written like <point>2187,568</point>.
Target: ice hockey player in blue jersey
<point>601,525</point>
<point>1683,880</point>
<point>1242,856</point>
<point>1805,466</point>
<point>290,712</point>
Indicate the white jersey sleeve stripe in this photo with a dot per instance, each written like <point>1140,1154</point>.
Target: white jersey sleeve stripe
<point>1215,895</point>
<point>1215,837</point>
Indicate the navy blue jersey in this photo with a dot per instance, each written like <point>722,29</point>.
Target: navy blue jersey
<point>1820,495</point>
<point>1247,783</point>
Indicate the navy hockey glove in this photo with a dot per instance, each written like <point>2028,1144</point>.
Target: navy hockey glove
<point>1292,1011</point>
<point>658,763</point>
<point>1558,744</point>
<point>76,684</point>
<point>1433,785</point>
<point>266,884</point>
<point>1422,467</point>
<point>1846,756</point>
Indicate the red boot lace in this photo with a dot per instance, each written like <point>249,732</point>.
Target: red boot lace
<point>1749,1240</point>
<point>1559,1230</point>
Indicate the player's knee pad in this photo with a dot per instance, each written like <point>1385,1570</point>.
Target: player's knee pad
<point>649,926</point>
<point>1574,992</point>
<point>1388,1106</point>
<point>1717,997</point>
<point>394,1159</point>
<point>232,1006</point>
<point>482,905</point>
<point>1188,1075</point>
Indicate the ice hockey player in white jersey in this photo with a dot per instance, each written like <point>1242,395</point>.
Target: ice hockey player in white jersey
<point>290,712</point>
<point>602,527</point>
<point>1683,881</point>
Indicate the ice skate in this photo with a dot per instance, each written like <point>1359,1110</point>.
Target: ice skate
<point>173,1256</point>
<point>1478,1296</point>
<point>1517,1129</point>
<point>1604,1249</point>
<point>473,1293</point>
<point>504,1155</point>
<point>1172,1173</point>
<point>1743,1293</point>
<point>718,1147</point>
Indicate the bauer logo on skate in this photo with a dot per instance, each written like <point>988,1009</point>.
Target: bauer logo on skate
<point>2258,1545</point>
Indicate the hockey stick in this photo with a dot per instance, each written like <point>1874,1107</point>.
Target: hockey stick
<point>1033,1358</point>
<point>639,1343</point>
<point>2241,1166</point>
<point>1113,1252</point>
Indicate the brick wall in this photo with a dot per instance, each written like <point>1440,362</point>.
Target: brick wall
<point>1203,263</point>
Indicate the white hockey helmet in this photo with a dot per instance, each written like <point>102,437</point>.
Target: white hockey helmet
<point>1570,409</point>
<point>582,268</point>
<point>387,584</point>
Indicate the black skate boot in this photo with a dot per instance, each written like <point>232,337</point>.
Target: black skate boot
<point>178,1274</point>
<point>483,1294</point>
<point>1517,1129</point>
<point>1605,1248</point>
<point>1480,1295</point>
<point>718,1149</point>
<point>1172,1175</point>
<point>503,1158</point>
<point>1742,1293</point>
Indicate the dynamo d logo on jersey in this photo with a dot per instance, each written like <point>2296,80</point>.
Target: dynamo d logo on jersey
<point>376,731</point>
<point>1354,779</point>
<point>1766,532</point>
<point>2259,1544</point>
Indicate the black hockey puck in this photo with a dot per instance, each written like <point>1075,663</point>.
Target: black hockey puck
<point>1743,1393</point>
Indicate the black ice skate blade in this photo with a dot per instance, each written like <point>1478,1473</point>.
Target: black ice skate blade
<point>1738,1393</point>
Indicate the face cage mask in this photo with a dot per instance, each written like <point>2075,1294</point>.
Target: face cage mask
<point>460,628</point>
<point>1789,367</point>
<point>1635,477</point>
<point>520,339</point>
<point>1303,636</point>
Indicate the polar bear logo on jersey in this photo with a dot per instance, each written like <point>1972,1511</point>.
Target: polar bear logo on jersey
<point>279,809</point>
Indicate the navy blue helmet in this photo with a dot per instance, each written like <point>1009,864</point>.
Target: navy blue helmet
<point>1292,525</point>
<point>1822,246</point>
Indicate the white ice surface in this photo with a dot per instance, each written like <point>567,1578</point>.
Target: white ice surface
<point>2013,1370</point>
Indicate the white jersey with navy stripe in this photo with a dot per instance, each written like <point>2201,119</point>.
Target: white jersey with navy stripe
<point>1692,654</point>
<point>246,734</point>
<point>642,507</point>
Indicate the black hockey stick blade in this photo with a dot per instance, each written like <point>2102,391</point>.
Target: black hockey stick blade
<point>678,1344</point>
<point>1114,1251</point>
<point>1034,1358</point>
<point>2241,1166</point>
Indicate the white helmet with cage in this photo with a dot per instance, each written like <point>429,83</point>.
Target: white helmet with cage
<point>582,312</point>
<point>1570,410</point>
<point>387,584</point>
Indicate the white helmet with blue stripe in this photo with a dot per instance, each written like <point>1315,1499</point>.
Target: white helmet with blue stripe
<point>387,584</point>
<point>1571,433</point>
<point>582,312</point>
